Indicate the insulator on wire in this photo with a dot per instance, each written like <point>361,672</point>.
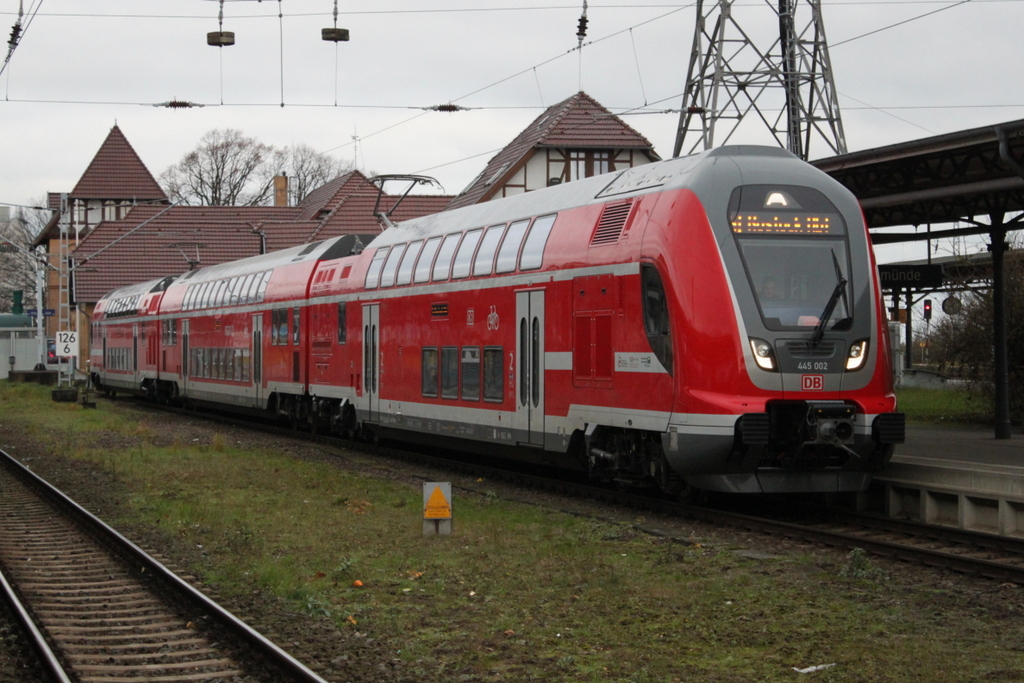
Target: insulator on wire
<point>335,35</point>
<point>220,38</point>
<point>581,30</point>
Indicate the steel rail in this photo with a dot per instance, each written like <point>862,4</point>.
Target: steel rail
<point>35,637</point>
<point>288,664</point>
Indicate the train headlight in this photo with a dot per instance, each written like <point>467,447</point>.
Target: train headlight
<point>764,354</point>
<point>858,352</point>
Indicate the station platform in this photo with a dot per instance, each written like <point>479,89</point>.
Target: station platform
<point>960,476</point>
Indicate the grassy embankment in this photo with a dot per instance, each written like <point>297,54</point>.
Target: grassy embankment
<point>520,592</point>
<point>950,406</point>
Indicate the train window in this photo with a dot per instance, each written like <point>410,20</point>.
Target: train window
<point>442,265</point>
<point>464,257</point>
<point>484,262</point>
<point>218,292</point>
<point>429,372</point>
<point>295,325</point>
<point>449,372</point>
<point>470,373</point>
<point>408,261</point>
<point>426,259</point>
<point>243,289</point>
<point>494,374</point>
<point>261,292</point>
<point>342,323</point>
<point>186,303</point>
<point>279,326</point>
<point>373,272</point>
<point>533,248</point>
<point>234,287</point>
<point>656,318</point>
<point>387,275</point>
<point>509,251</point>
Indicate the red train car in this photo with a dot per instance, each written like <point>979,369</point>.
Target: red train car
<point>711,321</point>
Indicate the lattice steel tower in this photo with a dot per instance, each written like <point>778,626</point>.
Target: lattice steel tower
<point>789,85</point>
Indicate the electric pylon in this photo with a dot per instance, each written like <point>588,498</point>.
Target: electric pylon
<point>789,86</point>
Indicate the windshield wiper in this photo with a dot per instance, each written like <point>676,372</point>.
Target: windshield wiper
<point>819,331</point>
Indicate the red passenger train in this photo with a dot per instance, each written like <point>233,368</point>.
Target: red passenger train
<point>709,322</point>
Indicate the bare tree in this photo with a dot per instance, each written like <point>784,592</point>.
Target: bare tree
<point>18,268</point>
<point>230,169</point>
<point>308,169</point>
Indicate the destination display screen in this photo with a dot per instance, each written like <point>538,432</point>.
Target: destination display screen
<point>772,223</point>
<point>783,210</point>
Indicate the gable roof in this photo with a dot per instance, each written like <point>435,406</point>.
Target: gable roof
<point>162,239</point>
<point>117,172</point>
<point>579,122</point>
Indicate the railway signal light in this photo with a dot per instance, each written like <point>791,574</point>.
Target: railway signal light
<point>927,309</point>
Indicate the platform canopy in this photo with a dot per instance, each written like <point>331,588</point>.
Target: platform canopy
<point>972,176</point>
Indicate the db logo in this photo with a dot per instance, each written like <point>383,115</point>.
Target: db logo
<point>812,382</point>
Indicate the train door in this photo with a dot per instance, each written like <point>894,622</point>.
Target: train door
<point>257,357</point>
<point>529,417</point>
<point>372,359</point>
<point>184,357</point>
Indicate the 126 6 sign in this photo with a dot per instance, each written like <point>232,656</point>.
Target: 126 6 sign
<point>910,277</point>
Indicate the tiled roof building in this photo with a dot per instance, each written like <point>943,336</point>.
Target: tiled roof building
<point>576,138</point>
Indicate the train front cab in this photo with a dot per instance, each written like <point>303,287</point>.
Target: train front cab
<point>810,406</point>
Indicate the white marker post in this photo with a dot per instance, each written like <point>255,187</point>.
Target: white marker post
<point>437,508</point>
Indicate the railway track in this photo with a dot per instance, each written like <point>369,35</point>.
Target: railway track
<point>100,610</point>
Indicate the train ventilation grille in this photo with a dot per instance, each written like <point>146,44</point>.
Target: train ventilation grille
<point>799,349</point>
<point>613,220</point>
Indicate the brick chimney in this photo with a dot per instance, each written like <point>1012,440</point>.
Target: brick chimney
<point>281,190</point>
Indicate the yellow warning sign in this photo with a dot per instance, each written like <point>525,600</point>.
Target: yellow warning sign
<point>437,506</point>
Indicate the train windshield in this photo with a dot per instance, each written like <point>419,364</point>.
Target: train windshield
<point>793,242</point>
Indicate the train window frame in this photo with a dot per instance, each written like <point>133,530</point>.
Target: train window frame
<point>483,264</point>
<point>389,271</point>
<point>511,243</point>
<point>296,325</point>
<point>532,256</point>
<point>493,372</point>
<point>261,293</point>
<point>376,265</point>
<point>430,371</point>
<point>342,322</point>
<point>412,252</point>
<point>449,373</point>
<point>243,289</point>
<point>463,262</point>
<point>657,323</point>
<point>234,285</point>
<point>425,261</point>
<point>443,262</point>
<point>471,385</point>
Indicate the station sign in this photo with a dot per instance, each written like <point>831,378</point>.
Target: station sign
<point>910,277</point>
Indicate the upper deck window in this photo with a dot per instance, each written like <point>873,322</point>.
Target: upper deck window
<point>533,249</point>
<point>426,260</point>
<point>442,265</point>
<point>484,262</point>
<point>509,252</point>
<point>387,275</point>
<point>373,272</point>
<point>464,258</point>
<point>408,261</point>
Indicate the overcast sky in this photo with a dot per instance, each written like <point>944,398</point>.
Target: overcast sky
<point>904,70</point>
